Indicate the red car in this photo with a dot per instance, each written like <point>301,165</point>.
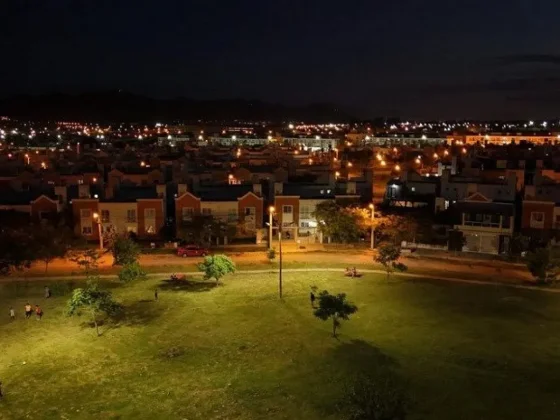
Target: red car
<point>191,251</point>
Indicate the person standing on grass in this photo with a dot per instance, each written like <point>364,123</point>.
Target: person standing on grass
<point>28,310</point>
<point>156,294</point>
<point>47,292</point>
<point>12,313</point>
<point>38,312</point>
<point>312,299</point>
<point>1,394</point>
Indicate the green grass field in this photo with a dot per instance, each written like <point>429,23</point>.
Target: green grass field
<point>236,352</point>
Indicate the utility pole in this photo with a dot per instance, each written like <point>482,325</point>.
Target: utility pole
<point>372,207</point>
<point>270,213</point>
<point>280,271</point>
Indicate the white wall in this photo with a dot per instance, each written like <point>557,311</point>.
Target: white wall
<point>223,210</point>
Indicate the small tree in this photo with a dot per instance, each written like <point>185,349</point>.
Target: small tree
<point>87,260</point>
<point>131,272</point>
<point>94,301</point>
<point>335,307</point>
<point>388,256</point>
<point>543,264</point>
<point>125,251</point>
<point>271,254</point>
<point>216,266</point>
<point>52,242</point>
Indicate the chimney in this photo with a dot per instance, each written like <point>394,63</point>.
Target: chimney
<point>83,191</point>
<point>257,189</point>
<point>61,193</point>
<point>278,188</point>
<point>161,190</point>
<point>181,189</point>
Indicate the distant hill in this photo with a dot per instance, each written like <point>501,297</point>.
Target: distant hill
<point>113,106</point>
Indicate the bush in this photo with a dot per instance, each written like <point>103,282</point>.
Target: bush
<point>271,254</point>
<point>125,251</point>
<point>131,272</point>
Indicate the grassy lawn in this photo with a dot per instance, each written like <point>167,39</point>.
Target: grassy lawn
<point>237,352</point>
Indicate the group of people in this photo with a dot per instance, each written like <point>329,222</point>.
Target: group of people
<point>29,310</point>
<point>351,272</point>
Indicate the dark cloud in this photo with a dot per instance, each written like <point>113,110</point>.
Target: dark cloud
<point>528,59</point>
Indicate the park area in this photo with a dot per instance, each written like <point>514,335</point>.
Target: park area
<point>236,351</point>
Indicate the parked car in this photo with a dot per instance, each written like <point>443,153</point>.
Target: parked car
<point>192,251</point>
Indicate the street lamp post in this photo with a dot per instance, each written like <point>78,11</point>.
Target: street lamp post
<point>99,230</point>
<point>280,268</point>
<point>372,207</point>
<point>270,213</point>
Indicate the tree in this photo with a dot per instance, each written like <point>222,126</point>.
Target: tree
<point>131,272</point>
<point>125,251</point>
<point>87,260</point>
<point>216,266</point>
<point>395,228</point>
<point>388,256</point>
<point>52,242</point>
<point>17,250</point>
<point>543,264</point>
<point>94,301</point>
<point>342,224</point>
<point>335,307</point>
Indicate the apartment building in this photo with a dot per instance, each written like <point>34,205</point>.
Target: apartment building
<point>140,210</point>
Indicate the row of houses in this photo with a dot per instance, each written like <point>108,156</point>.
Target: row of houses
<point>146,209</point>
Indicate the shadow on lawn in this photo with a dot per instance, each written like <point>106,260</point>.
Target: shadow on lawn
<point>187,285</point>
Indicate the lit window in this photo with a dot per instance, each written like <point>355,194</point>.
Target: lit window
<point>86,230</point>
<point>105,216</point>
<point>131,216</point>
<point>85,213</point>
<point>287,209</point>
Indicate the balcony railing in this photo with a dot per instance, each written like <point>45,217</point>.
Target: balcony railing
<point>483,224</point>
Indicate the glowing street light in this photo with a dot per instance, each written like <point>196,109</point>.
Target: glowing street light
<point>397,168</point>
<point>350,164</point>
<point>99,232</point>
<point>383,163</point>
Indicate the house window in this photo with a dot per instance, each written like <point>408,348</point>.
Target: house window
<point>80,181</point>
<point>537,216</point>
<point>187,213</point>
<point>249,211</point>
<point>232,215</point>
<point>305,212</point>
<point>105,216</point>
<point>131,216</point>
<point>206,211</point>
<point>304,224</point>
<point>86,230</point>
<point>149,213</point>
<point>85,213</point>
<point>287,209</point>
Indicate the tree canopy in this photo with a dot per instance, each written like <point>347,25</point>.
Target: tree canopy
<point>93,300</point>
<point>125,250</point>
<point>544,264</point>
<point>388,256</point>
<point>335,307</point>
<point>342,224</point>
<point>216,267</point>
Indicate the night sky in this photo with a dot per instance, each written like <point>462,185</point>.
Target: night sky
<point>410,58</point>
